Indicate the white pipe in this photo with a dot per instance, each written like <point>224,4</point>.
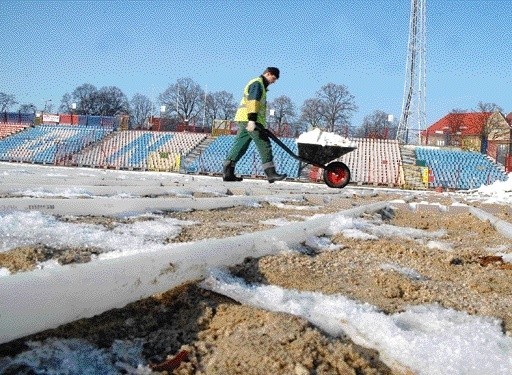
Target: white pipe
<point>123,206</point>
<point>42,299</point>
<point>501,226</point>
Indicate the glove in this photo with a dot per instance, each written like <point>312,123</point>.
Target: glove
<point>251,125</point>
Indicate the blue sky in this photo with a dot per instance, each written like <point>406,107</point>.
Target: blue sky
<point>51,47</point>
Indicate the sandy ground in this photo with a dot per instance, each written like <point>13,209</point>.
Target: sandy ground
<point>189,330</point>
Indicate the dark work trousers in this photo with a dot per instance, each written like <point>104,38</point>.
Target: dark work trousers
<point>243,139</point>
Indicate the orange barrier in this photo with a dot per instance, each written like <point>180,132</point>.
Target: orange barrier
<point>65,119</point>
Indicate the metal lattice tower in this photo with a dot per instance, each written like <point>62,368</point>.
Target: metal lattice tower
<point>413,118</point>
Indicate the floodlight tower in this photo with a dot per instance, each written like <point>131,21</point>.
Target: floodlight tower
<point>413,118</point>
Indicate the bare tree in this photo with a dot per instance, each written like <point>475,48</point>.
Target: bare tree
<point>496,127</point>
<point>211,110</point>
<point>111,101</point>
<point>141,108</point>
<point>108,101</point>
<point>184,99</point>
<point>66,103</point>
<point>6,101</point>
<point>337,106</point>
<point>226,105</point>
<point>284,112</point>
<point>459,110</point>
<point>85,97</point>
<point>220,105</point>
<point>27,108</point>
<point>488,107</point>
<point>48,106</point>
<point>376,126</point>
<point>311,113</point>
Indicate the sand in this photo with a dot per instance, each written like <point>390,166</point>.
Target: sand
<point>189,330</point>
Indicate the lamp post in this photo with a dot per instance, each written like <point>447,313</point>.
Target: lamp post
<point>177,102</point>
<point>390,121</point>
<point>271,113</point>
<point>46,104</point>
<point>44,109</point>
<point>73,109</point>
<point>162,111</point>
<point>204,107</point>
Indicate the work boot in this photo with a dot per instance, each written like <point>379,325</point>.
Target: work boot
<point>272,175</point>
<point>228,173</point>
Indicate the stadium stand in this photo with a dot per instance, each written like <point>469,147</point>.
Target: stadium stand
<point>47,144</point>
<point>211,159</point>
<point>10,129</point>
<point>140,149</point>
<point>374,161</point>
<point>458,169</point>
<point>96,141</point>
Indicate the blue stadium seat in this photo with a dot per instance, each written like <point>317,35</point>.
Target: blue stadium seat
<point>458,169</point>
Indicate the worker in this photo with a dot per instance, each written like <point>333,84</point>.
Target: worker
<point>251,117</point>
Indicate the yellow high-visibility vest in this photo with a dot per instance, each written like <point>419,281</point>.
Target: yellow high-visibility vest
<point>253,106</point>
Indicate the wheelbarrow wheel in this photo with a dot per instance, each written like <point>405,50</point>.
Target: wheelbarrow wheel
<point>336,175</point>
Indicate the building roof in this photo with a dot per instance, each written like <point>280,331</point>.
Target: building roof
<point>468,123</point>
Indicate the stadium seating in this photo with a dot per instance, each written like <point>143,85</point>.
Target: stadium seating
<point>457,169</point>
<point>10,129</point>
<point>95,143</point>
<point>211,159</point>
<point>140,149</point>
<point>374,161</point>
<point>48,144</point>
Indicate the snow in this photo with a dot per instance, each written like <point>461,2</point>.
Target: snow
<point>440,245</point>
<point>318,136</point>
<point>427,339</point>
<point>498,192</point>
<point>76,356</point>
<point>321,244</point>
<point>46,230</point>
<point>408,272</point>
<point>363,229</point>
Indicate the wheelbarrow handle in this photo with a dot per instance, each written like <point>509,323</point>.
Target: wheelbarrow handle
<point>280,143</point>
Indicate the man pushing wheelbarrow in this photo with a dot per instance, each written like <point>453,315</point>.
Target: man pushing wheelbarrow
<point>314,147</point>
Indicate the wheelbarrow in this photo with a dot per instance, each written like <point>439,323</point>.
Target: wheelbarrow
<point>336,173</point>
